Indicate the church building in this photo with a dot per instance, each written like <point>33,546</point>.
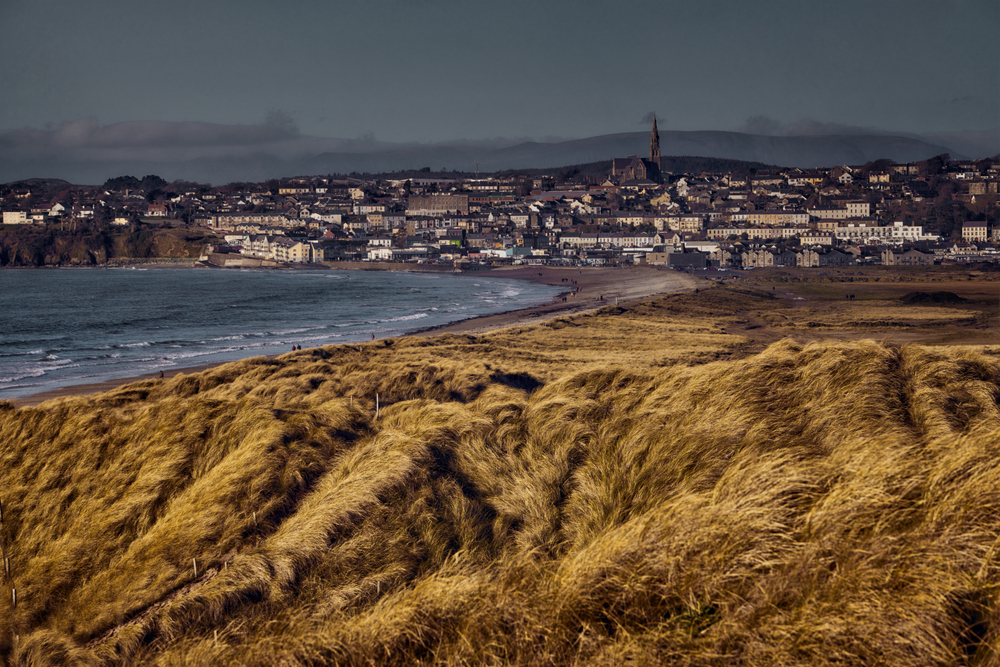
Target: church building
<point>637,170</point>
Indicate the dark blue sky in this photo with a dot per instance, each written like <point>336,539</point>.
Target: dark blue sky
<point>430,70</point>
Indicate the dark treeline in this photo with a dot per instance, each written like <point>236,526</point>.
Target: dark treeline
<point>147,184</point>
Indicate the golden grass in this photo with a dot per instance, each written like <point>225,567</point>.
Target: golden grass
<point>573,493</point>
<point>875,314</point>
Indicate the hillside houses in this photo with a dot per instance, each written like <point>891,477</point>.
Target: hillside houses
<point>750,219</point>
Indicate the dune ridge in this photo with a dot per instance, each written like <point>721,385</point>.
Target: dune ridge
<point>432,501</point>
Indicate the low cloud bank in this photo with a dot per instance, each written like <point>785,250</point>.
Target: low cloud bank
<point>967,143</point>
<point>84,151</point>
<point>804,127</point>
<point>88,134</point>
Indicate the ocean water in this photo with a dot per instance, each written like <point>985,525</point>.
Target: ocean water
<point>63,327</point>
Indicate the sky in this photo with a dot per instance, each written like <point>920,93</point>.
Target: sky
<point>440,70</point>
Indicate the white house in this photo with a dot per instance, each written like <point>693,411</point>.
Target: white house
<point>16,218</point>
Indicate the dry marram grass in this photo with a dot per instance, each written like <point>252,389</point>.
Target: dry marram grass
<point>524,497</point>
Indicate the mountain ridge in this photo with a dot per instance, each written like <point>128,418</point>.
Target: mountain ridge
<point>21,159</point>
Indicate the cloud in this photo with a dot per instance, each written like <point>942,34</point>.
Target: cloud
<point>648,118</point>
<point>87,135</point>
<point>804,127</point>
<point>75,133</point>
<point>761,125</point>
<point>85,151</point>
<point>808,127</point>
<point>281,122</point>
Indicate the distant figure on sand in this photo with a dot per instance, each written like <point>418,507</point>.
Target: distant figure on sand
<point>373,336</point>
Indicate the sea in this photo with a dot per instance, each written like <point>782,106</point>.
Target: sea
<point>64,327</point>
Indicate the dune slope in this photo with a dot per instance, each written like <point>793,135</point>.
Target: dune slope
<point>817,504</point>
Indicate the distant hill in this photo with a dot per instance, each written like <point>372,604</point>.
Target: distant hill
<point>783,151</point>
<point>677,164</point>
<point>317,155</point>
<point>41,184</point>
<point>971,144</point>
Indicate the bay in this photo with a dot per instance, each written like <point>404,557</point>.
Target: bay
<point>63,327</point>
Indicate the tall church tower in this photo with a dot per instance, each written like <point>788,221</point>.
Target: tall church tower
<point>654,145</point>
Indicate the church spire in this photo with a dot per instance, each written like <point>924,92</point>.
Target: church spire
<point>654,144</point>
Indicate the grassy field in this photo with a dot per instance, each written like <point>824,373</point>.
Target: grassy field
<point>742,475</point>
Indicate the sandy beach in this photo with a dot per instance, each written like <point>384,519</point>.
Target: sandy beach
<point>584,289</point>
<point>595,288</point>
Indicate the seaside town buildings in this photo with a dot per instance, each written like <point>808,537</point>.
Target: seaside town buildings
<point>634,212</point>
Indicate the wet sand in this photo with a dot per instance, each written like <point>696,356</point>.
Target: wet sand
<point>594,288</point>
<point>584,288</point>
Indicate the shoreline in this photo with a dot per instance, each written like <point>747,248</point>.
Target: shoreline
<point>617,285</point>
<point>150,263</point>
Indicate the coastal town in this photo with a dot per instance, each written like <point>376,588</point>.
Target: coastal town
<point>628,211</point>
